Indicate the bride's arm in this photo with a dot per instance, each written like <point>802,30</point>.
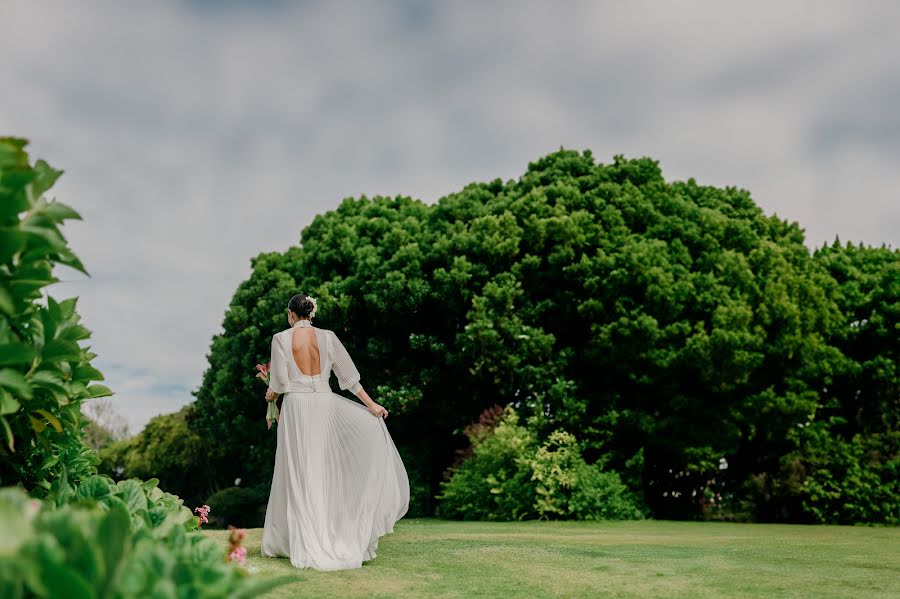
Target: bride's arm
<point>364,397</point>
<point>348,375</point>
<point>374,407</point>
<point>278,373</point>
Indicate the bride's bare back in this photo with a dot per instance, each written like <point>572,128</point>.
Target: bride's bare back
<point>305,350</point>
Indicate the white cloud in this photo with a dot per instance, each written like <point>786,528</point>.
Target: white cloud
<point>195,135</point>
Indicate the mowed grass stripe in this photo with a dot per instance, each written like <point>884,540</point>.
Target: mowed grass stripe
<point>427,557</point>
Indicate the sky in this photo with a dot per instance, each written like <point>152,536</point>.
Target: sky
<point>196,134</point>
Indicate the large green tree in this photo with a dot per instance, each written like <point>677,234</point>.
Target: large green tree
<point>668,325</point>
<point>845,464</point>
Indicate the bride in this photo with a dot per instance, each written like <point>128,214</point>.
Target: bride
<point>339,483</point>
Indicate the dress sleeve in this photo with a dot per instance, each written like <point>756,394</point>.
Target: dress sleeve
<point>278,371</point>
<point>347,374</point>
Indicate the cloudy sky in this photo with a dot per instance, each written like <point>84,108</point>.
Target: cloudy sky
<point>195,135</point>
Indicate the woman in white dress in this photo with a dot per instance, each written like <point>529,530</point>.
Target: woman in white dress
<point>339,483</point>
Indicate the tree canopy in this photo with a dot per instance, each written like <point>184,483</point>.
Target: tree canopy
<point>684,336</point>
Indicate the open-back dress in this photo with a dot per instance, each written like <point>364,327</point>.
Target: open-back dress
<point>339,482</point>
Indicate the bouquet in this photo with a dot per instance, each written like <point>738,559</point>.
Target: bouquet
<point>272,414</point>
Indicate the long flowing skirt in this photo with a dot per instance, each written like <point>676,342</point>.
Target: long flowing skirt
<point>339,483</point>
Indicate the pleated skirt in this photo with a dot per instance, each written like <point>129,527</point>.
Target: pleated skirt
<point>338,485</point>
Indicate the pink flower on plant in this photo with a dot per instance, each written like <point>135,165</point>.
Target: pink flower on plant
<point>236,551</point>
<point>204,513</point>
<point>239,554</point>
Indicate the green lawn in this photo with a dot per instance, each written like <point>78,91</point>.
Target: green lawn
<point>427,557</point>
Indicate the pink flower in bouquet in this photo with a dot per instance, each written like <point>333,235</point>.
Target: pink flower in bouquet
<point>263,372</point>
<point>204,513</point>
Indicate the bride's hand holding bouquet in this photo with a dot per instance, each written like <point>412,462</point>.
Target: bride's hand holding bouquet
<point>272,414</point>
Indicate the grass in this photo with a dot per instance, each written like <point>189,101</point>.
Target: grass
<point>427,557</point>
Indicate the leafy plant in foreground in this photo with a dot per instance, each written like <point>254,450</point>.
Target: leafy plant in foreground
<point>45,375</point>
<point>84,551</point>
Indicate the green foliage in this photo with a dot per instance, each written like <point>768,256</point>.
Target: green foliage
<point>421,500</point>
<point>88,549</point>
<point>243,507</point>
<point>90,536</point>
<point>599,298</point>
<point>508,476</point>
<point>832,480</point>
<point>843,465</point>
<point>167,449</point>
<point>568,487</point>
<point>865,391</point>
<point>495,482</point>
<point>45,375</point>
<point>147,504</point>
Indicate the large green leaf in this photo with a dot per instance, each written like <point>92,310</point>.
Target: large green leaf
<point>15,353</point>
<point>45,177</point>
<point>62,581</point>
<point>99,391</point>
<point>86,373</point>
<point>113,538</point>
<point>7,433</point>
<point>74,332</point>
<point>15,382</point>
<point>8,403</point>
<point>96,487</point>
<point>11,241</point>
<point>62,211</point>
<point>7,304</point>
<point>14,523</point>
<point>133,495</point>
<point>49,379</point>
<point>58,350</point>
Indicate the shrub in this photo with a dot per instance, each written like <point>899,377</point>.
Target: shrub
<point>238,506</point>
<point>85,551</point>
<point>148,505</point>
<point>600,495</point>
<point>495,482</point>
<point>509,477</point>
<point>45,374</point>
<point>90,536</point>
<point>830,479</point>
<point>567,487</point>
<point>167,449</point>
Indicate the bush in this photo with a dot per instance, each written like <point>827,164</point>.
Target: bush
<point>832,480</point>
<point>239,506</point>
<point>570,488</point>
<point>90,536</point>
<point>495,482</point>
<point>84,550</point>
<point>45,374</point>
<point>509,477</point>
<point>167,449</point>
<point>147,504</point>
<point>600,495</point>
<point>421,499</point>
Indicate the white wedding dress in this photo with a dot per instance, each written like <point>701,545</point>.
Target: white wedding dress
<point>339,483</point>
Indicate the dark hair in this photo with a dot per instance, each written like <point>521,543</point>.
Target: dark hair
<point>301,305</point>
